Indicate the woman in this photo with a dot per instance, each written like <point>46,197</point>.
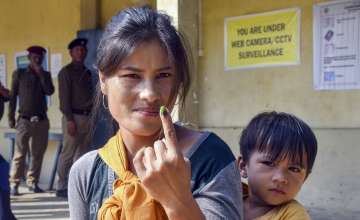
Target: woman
<point>141,172</point>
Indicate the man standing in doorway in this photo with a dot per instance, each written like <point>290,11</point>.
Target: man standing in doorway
<point>75,94</point>
<point>31,85</point>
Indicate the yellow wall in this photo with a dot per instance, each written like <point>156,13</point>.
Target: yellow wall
<point>51,24</point>
<point>288,88</point>
<point>108,8</point>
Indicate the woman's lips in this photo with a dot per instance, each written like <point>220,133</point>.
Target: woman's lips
<point>150,112</point>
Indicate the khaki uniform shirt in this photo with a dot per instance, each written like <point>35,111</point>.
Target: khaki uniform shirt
<point>75,89</point>
<point>32,91</point>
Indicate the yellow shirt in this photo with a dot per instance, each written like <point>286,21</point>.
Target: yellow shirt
<point>292,210</point>
<point>289,211</point>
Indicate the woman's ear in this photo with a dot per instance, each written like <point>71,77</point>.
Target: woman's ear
<point>102,81</point>
<point>242,166</point>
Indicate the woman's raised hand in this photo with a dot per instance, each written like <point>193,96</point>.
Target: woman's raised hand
<point>163,170</point>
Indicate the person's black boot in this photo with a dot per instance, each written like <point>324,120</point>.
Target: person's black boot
<point>35,188</point>
<point>62,193</point>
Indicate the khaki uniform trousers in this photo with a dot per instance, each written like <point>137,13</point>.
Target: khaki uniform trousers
<point>38,133</point>
<point>73,147</point>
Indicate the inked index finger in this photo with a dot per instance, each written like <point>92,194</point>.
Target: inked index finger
<point>169,130</point>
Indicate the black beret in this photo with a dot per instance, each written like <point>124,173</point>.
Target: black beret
<point>77,42</point>
<point>37,50</point>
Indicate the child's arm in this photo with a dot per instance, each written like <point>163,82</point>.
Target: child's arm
<point>293,211</point>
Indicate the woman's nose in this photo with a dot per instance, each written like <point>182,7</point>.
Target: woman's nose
<point>149,91</point>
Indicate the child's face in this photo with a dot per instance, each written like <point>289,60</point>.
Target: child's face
<point>272,182</point>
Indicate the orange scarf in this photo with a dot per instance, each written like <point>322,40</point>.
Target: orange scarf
<point>130,200</point>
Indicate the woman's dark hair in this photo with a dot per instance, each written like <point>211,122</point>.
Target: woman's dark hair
<point>128,29</point>
<point>279,135</point>
<point>134,26</point>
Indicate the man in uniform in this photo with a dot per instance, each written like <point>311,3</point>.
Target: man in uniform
<point>75,94</point>
<point>31,85</point>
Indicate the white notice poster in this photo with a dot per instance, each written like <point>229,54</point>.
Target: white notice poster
<point>56,64</point>
<point>3,69</point>
<point>336,45</point>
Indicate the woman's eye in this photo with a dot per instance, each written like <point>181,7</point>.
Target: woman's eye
<point>164,75</point>
<point>131,76</point>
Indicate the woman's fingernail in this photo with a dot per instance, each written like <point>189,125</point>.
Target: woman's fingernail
<point>163,111</point>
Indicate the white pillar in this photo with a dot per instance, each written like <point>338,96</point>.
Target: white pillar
<point>185,15</point>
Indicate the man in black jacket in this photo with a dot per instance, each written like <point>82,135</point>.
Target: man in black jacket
<point>29,88</point>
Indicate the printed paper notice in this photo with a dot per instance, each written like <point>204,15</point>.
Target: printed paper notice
<point>3,69</point>
<point>56,64</point>
<point>336,45</point>
<point>259,40</point>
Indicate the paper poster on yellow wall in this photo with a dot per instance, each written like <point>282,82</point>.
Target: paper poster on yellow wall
<point>265,39</point>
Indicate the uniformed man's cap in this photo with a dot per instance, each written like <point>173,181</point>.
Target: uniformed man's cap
<point>37,50</point>
<point>77,42</point>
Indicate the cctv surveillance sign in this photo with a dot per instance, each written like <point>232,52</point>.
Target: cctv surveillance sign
<point>259,40</point>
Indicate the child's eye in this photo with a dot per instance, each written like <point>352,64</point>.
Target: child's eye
<point>268,163</point>
<point>295,169</point>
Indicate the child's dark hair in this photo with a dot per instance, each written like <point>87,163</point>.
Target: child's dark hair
<point>280,135</point>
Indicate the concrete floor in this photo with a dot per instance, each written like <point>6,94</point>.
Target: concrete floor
<point>46,206</point>
<point>39,206</point>
<point>333,214</point>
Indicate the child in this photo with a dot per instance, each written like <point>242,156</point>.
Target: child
<point>278,152</point>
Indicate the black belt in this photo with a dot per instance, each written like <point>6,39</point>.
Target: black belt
<point>81,112</point>
<point>34,118</point>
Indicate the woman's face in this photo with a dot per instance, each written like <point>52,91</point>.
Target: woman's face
<point>136,91</point>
